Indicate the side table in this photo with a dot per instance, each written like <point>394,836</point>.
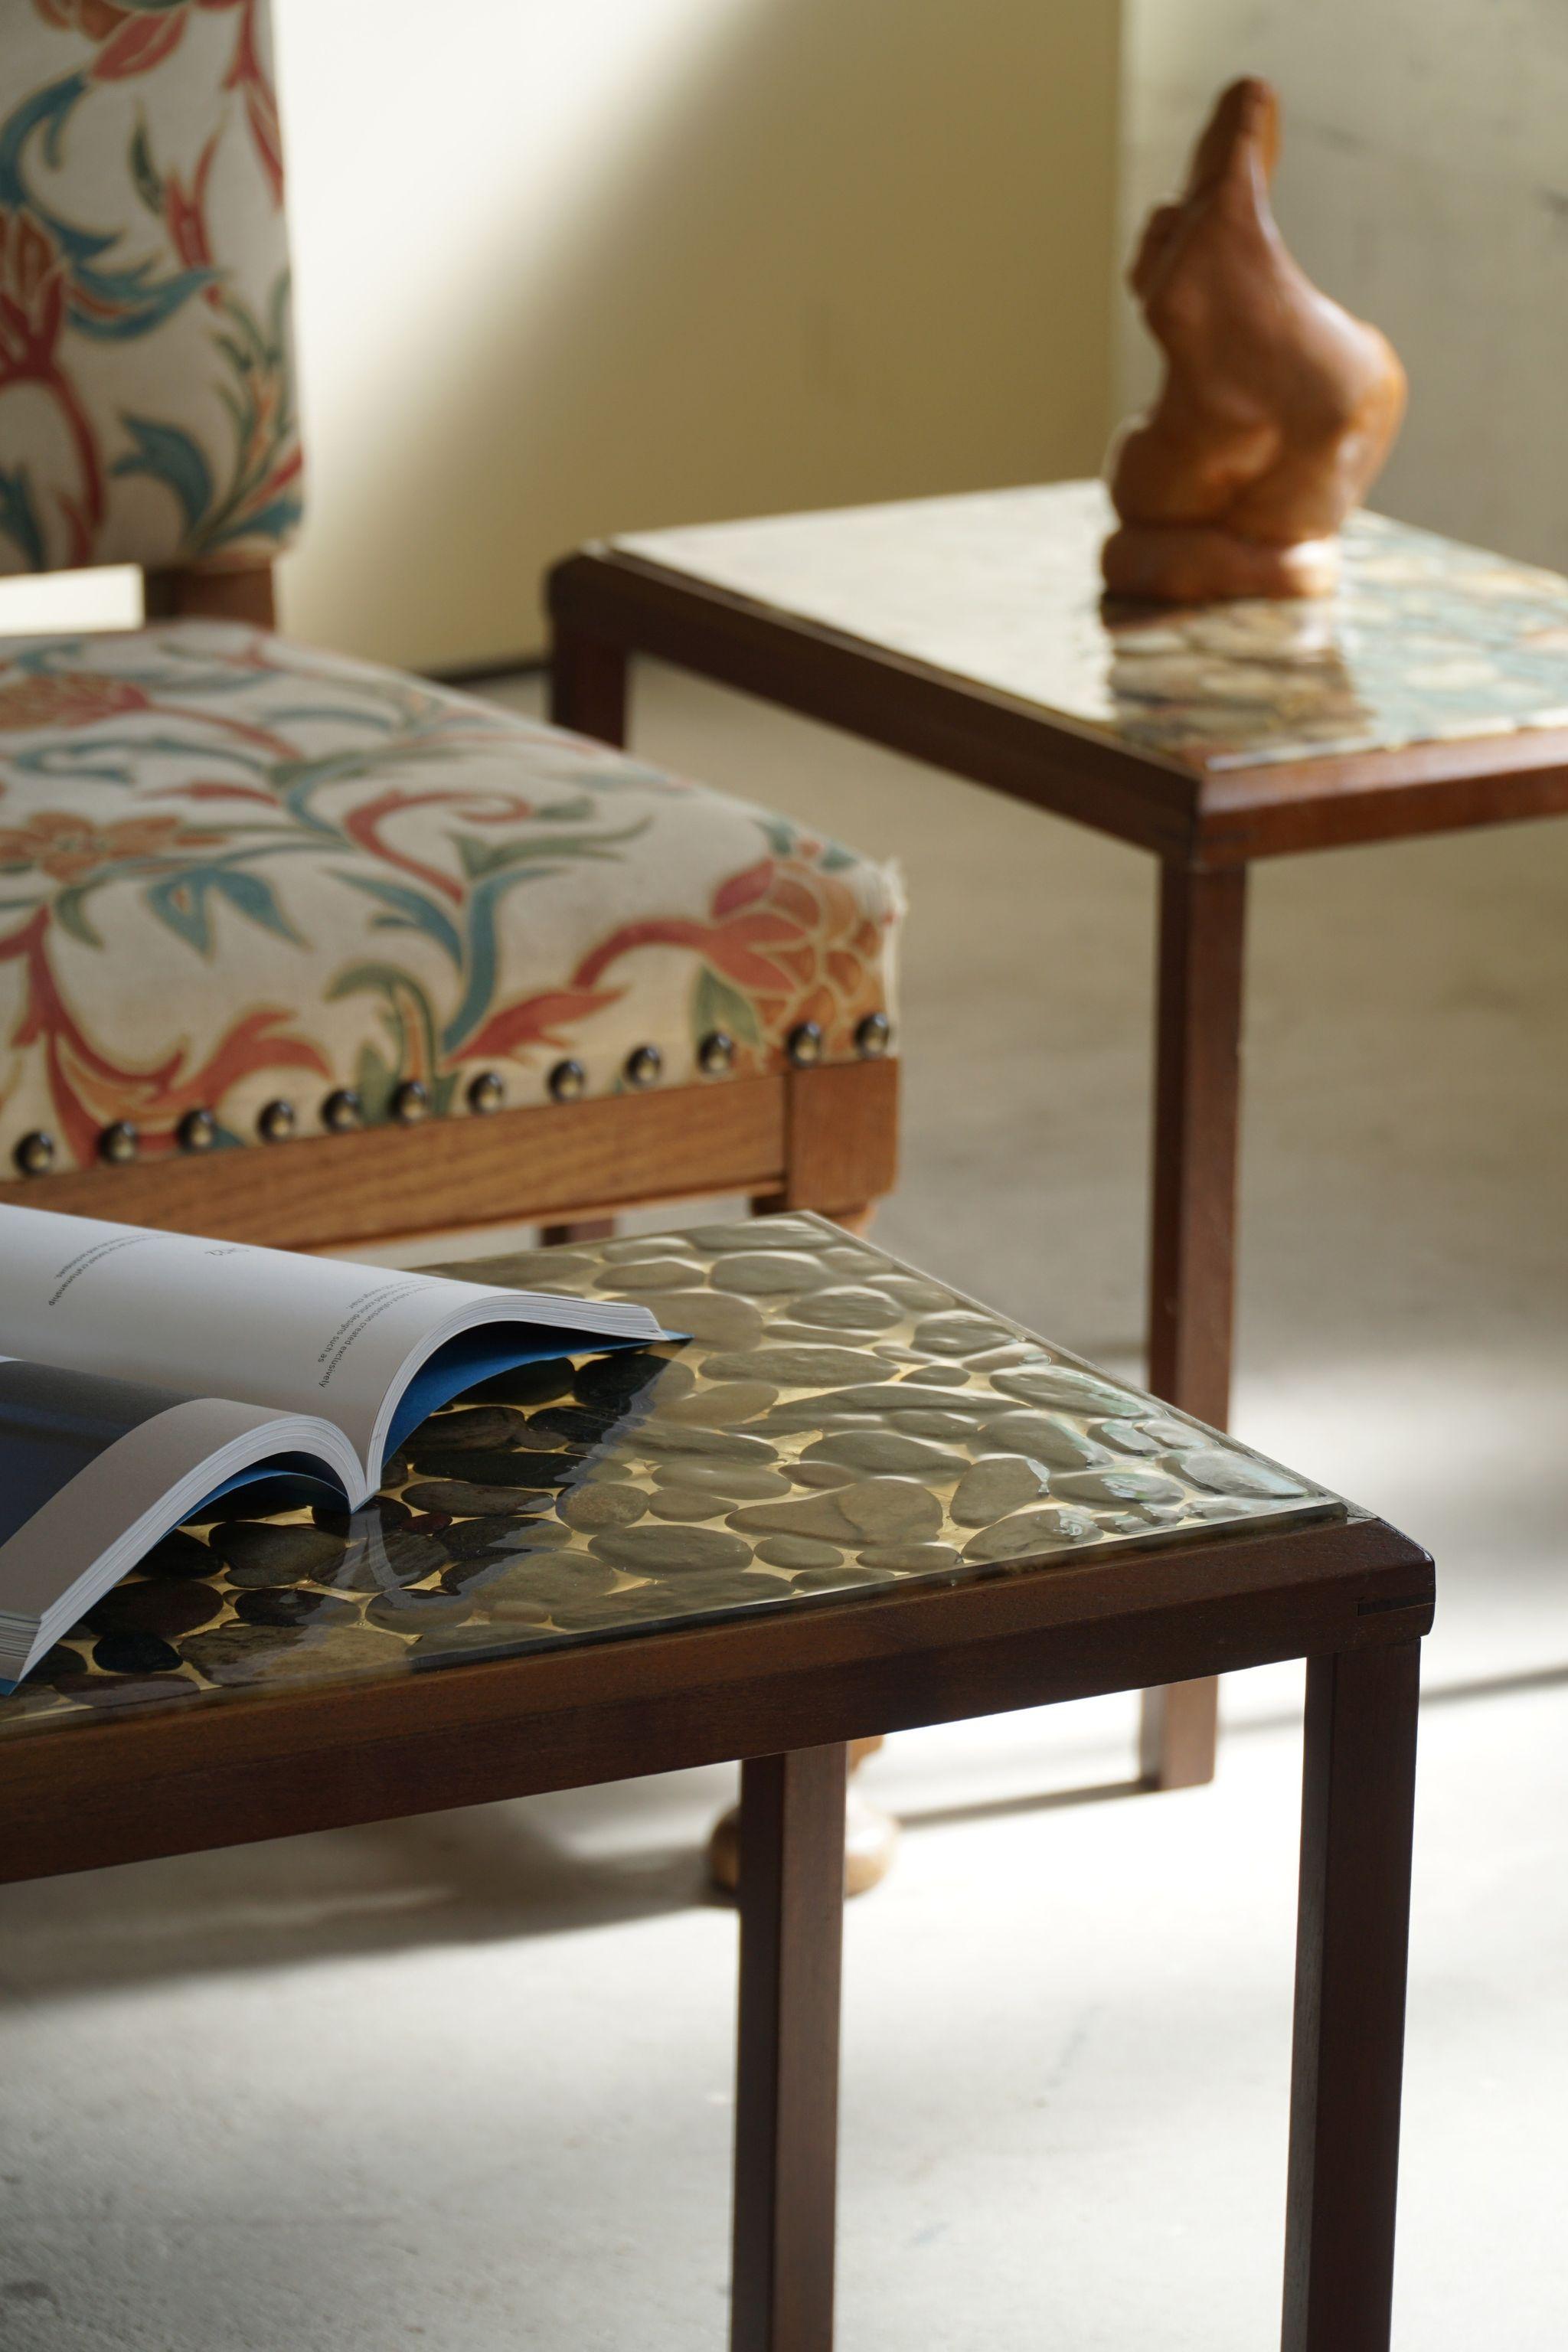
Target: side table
<point>1430,694</point>
<point>853,1503</point>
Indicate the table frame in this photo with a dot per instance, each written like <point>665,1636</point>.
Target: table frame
<point>1205,828</point>
<point>785,1690</point>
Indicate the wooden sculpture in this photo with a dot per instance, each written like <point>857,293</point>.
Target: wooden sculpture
<point>1278,407</point>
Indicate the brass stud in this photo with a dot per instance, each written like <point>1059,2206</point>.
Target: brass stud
<point>411,1103</point>
<point>486,1093</point>
<point>119,1142</point>
<point>644,1067</point>
<point>275,1121</point>
<point>568,1081</point>
<point>35,1155</point>
<point>874,1036</point>
<point>805,1044</point>
<point>716,1054</point>
<point>197,1132</point>
<point>342,1111</point>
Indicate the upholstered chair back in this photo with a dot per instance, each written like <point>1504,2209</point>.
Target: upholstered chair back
<point>146,387</point>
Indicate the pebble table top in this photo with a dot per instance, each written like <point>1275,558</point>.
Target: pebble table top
<point>835,1425</point>
<point>1425,640</point>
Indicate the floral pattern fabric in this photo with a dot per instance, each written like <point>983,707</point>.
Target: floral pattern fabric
<point>234,870</point>
<point>147,407</point>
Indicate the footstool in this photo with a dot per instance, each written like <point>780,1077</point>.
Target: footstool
<point>853,1502</point>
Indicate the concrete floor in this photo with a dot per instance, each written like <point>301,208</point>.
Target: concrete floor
<point>466,2080</point>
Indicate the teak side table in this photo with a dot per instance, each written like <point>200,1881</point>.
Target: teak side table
<point>969,633</point>
<point>808,1526</point>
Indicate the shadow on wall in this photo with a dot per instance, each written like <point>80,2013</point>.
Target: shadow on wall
<point>753,254</point>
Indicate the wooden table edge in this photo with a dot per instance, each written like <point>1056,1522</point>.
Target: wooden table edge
<point>940,717</point>
<point>186,1778</point>
<point>1200,815</point>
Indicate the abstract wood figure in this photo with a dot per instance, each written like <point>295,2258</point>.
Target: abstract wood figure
<point>1278,407</point>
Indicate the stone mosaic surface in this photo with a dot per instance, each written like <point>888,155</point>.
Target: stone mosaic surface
<point>1427,639</point>
<point>837,1426</point>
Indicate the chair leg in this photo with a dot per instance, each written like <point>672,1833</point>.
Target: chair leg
<point>1352,1942</point>
<point>588,685</point>
<point>855,1219</point>
<point>786,2087</point>
<point>1192,1274</point>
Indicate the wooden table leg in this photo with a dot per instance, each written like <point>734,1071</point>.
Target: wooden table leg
<point>1352,1938</point>
<point>786,2097</point>
<point>588,685</point>
<point>1192,1258</point>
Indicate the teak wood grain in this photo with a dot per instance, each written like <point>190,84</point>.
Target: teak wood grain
<point>1218,817</point>
<point>786,2075</point>
<point>1352,1938</point>
<point>734,1135</point>
<point>194,1775</point>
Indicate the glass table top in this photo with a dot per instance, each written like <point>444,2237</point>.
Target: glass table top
<point>1425,640</point>
<point>837,1426</point>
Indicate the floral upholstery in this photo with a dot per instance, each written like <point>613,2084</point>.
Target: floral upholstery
<point>146,399</point>
<point>235,872</point>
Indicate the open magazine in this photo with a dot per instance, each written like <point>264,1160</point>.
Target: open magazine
<point>143,1374</point>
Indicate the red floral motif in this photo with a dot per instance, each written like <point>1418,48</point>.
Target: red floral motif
<point>97,18</point>
<point>185,213</point>
<point>132,41</point>
<point>32,298</point>
<point>68,848</point>
<point>539,1020</point>
<point>363,826</point>
<point>66,697</point>
<point>33,288</point>
<point>791,939</point>
<point>88,1091</point>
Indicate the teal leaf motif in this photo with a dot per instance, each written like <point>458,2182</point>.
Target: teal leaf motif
<point>183,902</point>
<point>409,911</point>
<point>374,1078</point>
<point>19,518</point>
<point>70,914</point>
<point>482,858</point>
<point>274,520</point>
<point>144,171</point>
<point>715,1005</point>
<point>780,835</point>
<point>170,455</point>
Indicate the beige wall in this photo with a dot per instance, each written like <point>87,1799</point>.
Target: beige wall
<point>567,267</point>
<point>1424,183</point>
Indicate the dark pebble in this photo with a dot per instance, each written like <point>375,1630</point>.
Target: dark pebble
<point>639,1607</point>
<point>575,1425</point>
<point>464,1430</point>
<point>616,1380</point>
<point>234,1653</point>
<point>134,1653</point>
<point>528,1384</point>
<point>275,1607</point>
<point>411,1612</point>
<point>406,1559</point>
<point>489,1469</point>
<point>155,1604</point>
<point>255,1553</point>
<point>124,1690</point>
<point>384,1507</point>
<point>463,1499</point>
<point>178,1554</point>
<point>56,1661</point>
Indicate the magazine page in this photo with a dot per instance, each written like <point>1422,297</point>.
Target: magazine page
<point>94,1470</point>
<point>306,1335</point>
